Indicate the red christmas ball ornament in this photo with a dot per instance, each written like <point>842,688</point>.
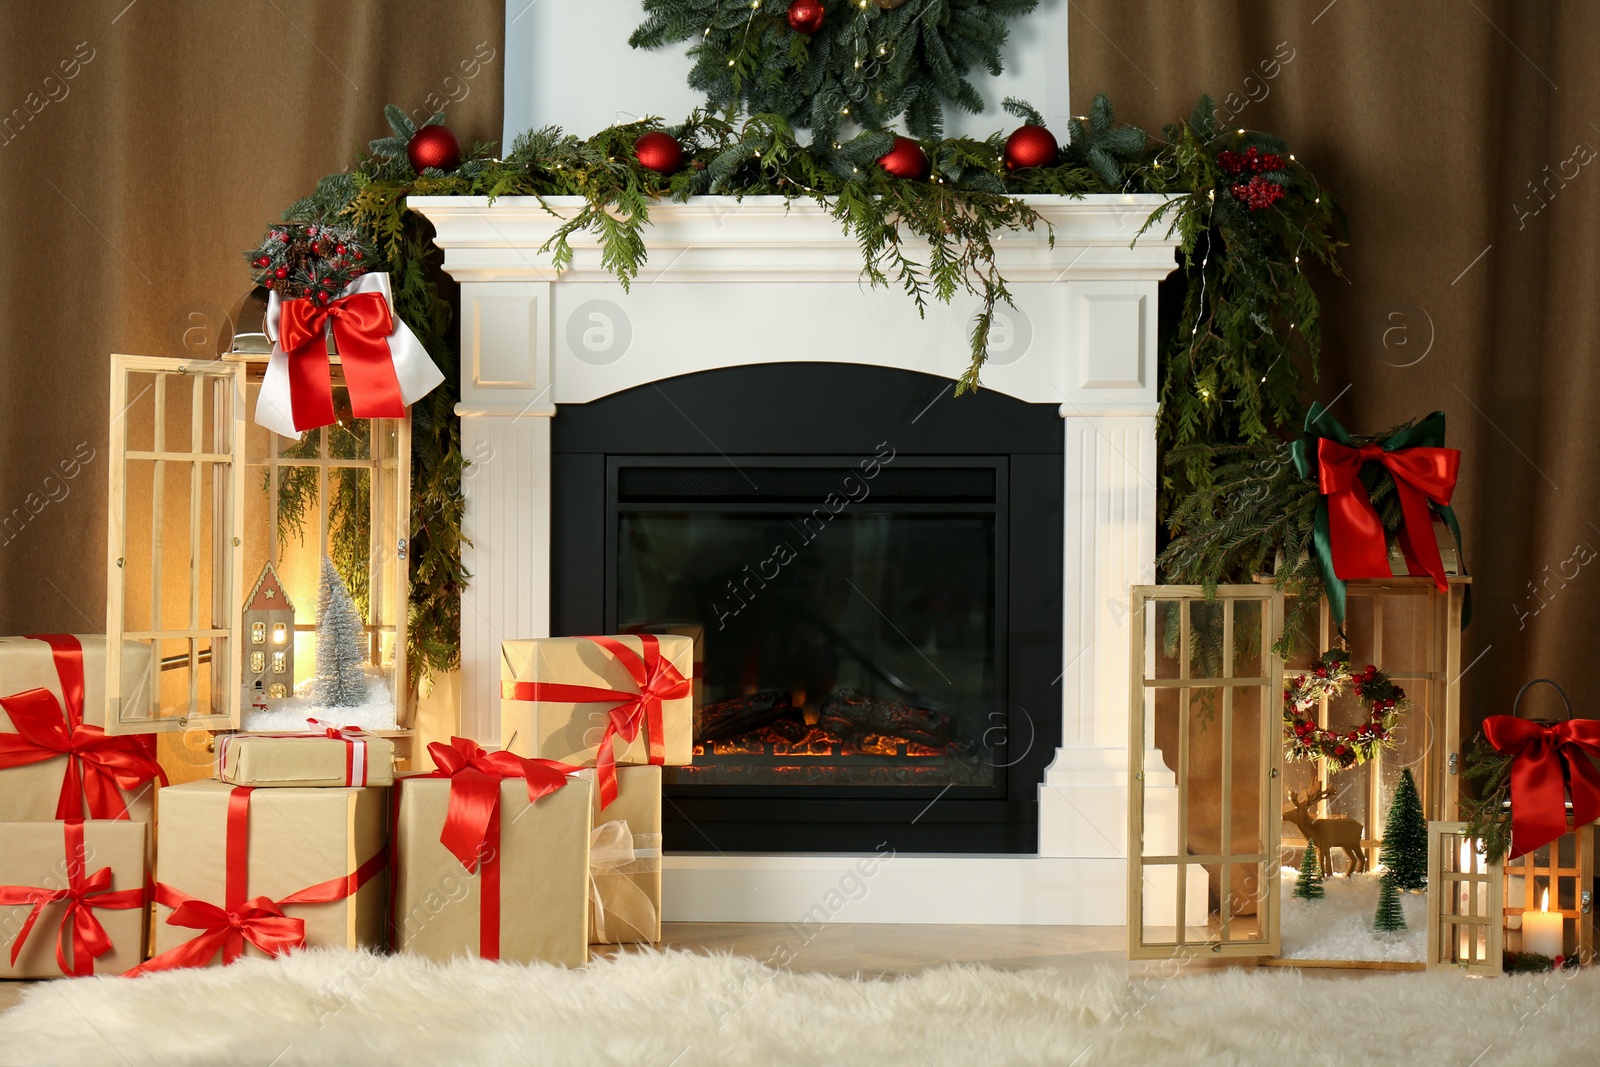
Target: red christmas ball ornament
<point>805,16</point>
<point>434,146</point>
<point>1031,146</point>
<point>906,160</point>
<point>281,272</point>
<point>659,152</point>
<point>339,249</point>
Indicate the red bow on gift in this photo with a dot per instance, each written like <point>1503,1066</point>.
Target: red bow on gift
<point>98,765</point>
<point>361,327</point>
<point>658,681</point>
<point>1549,760</point>
<point>83,893</point>
<point>1420,474</point>
<point>475,777</point>
<point>258,920</point>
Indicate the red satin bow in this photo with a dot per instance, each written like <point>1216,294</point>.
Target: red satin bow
<point>361,328</point>
<point>1548,762</point>
<point>1420,474</point>
<point>472,820</point>
<point>658,681</point>
<point>475,777</point>
<point>258,920</point>
<point>82,894</point>
<point>98,765</point>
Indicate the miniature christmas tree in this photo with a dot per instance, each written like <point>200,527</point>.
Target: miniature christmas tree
<point>1390,917</point>
<point>1405,837</point>
<point>341,674</point>
<point>1309,885</point>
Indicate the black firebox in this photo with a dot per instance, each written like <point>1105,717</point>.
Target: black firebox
<point>871,567</point>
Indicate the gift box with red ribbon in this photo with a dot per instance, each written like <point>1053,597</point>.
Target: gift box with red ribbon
<point>72,897</point>
<point>600,701</point>
<point>491,858</point>
<point>56,759</point>
<point>625,861</point>
<point>329,756</point>
<point>257,872</point>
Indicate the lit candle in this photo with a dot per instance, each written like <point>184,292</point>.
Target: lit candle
<point>1541,930</point>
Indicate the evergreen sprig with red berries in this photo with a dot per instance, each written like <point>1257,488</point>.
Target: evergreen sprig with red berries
<point>314,260</point>
<point>1328,677</point>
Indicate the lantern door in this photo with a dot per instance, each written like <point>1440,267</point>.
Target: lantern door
<point>1466,903</point>
<point>173,571</point>
<point>1205,756</point>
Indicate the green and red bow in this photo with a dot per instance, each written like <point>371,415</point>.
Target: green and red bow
<point>1349,538</point>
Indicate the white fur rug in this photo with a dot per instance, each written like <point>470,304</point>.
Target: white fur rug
<point>682,1009</point>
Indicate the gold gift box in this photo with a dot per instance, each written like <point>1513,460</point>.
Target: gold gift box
<point>29,793</point>
<point>627,890</point>
<point>310,760</point>
<point>543,859</point>
<point>571,732</point>
<point>298,838</point>
<point>34,855</point>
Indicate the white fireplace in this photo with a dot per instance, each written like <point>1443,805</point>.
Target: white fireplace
<point>733,282</point>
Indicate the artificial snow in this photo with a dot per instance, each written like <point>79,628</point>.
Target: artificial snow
<point>1339,926</point>
<point>289,714</point>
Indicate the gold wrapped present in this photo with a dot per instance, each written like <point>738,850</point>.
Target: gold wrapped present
<point>72,897</point>
<point>257,872</point>
<point>625,861</point>
<point>331,757</point>
<point>600,701</point>
<point>56,760</point>
<point>492,858</point>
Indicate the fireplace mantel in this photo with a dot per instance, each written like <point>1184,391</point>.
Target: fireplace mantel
<point>734,282</point>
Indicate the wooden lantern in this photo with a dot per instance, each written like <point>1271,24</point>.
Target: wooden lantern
<point>1477,910</point>
<point>1549,897</point>
<point>1413,633</point>
<point>201,496</point>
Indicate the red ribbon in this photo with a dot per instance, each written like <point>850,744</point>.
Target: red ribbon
<point>658,681</point>
<point>258,920</point>
<point>361,327</point>
<point>472,820</point>
<point>98,764</point>
<point>1420,474</point>
<point>1549,760</point>
<point>82,894</point>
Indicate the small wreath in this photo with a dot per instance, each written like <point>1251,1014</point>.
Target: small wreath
<point>1330,674</point>
<point>309,260</point>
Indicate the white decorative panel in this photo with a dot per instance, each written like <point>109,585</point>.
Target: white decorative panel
<point>507,521</point>
<point>1111,341</point>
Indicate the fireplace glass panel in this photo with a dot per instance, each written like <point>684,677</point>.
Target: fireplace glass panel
<point>856,652</point>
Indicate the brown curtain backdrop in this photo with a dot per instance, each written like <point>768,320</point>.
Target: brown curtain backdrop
<point>1461,138</point>
<point>143,146</point>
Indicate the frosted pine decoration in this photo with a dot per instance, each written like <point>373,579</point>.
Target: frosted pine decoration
<point>341,662</point>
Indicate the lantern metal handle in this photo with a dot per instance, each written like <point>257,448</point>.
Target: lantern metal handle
<point>1517,703</point>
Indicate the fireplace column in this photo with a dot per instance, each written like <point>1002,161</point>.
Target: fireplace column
<point>1112,475</point>
<point>505,414</point>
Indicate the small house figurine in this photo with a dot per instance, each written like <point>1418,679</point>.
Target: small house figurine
<point>269,637</point>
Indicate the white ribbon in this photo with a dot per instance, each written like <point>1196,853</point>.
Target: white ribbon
<point>616,850</point>
<point>413,367</point>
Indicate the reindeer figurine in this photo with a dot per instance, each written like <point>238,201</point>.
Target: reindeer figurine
<point>1327,834</point>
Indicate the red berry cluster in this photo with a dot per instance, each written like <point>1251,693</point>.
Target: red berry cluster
<point>1258,193</point>
<point>1252,159</point>
<point>309,260</point>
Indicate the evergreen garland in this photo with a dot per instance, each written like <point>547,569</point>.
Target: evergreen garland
<point>868,65</point>
<point>1390,916</point>
<point>1251,313</point>
<point>1404,854</point>
<point>1309,885</point>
